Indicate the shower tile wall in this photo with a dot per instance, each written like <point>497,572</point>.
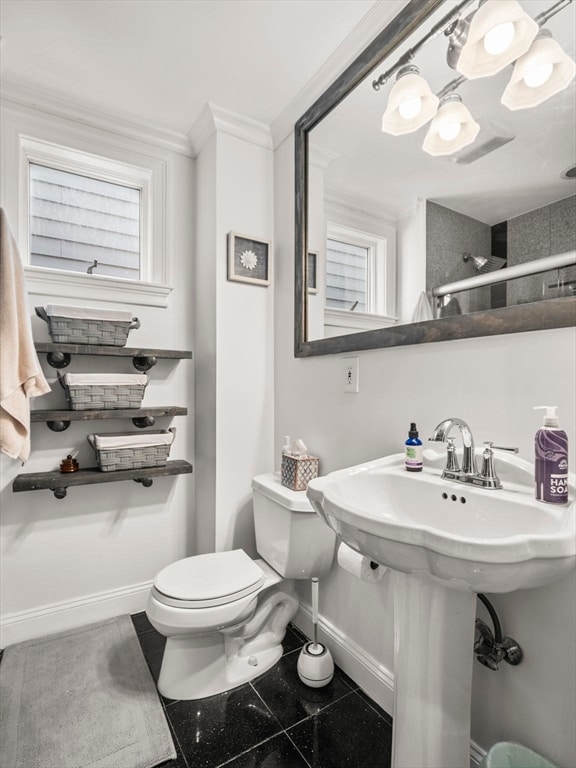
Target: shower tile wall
<point>544,232</point>
<point>449,235</point>
<point>537,234</point>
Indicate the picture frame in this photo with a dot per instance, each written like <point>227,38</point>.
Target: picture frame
<point>249,259</point>
<point>312,272</point>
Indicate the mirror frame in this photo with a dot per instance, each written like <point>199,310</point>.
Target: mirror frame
<point>551,313</point>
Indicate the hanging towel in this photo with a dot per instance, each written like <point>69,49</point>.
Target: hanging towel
<point>423,310</point>
<point>21,376</point>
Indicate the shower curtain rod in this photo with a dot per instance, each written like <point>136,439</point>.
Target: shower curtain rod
<point>508,273</point>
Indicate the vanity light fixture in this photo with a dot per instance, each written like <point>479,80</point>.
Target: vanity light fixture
<point>411,103</point>
<point>539,74</point>
<point>498,33</point>
<point>452,129</point>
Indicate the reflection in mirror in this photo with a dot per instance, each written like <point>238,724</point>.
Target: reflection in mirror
<point>440,199</point>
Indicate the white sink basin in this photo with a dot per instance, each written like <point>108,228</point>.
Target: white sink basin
<point>464,537</point>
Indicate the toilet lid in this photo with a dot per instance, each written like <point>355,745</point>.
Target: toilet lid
<point>208,580</point>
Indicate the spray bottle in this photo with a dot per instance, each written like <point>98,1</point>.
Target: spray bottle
<point>413,450</point>
<point>551,459</point>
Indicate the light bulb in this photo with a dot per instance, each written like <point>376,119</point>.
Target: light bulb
<point>499,38</point>
<point>409,108</point>
<point>449,130</point>
<point>537,76</point>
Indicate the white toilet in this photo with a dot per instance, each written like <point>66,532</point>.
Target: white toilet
<point>225,615</point>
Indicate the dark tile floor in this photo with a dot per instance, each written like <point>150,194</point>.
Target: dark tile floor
<point>275,721</point>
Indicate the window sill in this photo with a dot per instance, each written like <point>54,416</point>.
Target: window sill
<point>75,285</point>
<point>356,321</point>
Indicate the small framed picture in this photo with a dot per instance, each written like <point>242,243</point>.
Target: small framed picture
<point>312,272</point>
<point>248,259</point>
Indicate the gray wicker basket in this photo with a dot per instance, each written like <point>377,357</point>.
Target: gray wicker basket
<point>71,330</point>
<point>132,457</point>
<point>103,396</point>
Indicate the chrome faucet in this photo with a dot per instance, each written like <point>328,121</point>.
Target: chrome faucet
<point>440,434</point>
<point>487,477</point>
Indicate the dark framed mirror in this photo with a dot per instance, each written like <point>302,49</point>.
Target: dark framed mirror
<point>478,242</point>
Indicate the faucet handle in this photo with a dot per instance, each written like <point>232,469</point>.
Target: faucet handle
<point>451,458</point>
<point>488,470</point>
<point>505,448</point>
<point>488,473</point>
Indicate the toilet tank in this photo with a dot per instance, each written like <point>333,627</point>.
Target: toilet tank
<point>290,536</point>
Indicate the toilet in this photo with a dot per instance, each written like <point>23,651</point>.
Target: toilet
<point>224,614</point>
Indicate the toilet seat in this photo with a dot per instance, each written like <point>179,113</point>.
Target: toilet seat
<point>206,581</point>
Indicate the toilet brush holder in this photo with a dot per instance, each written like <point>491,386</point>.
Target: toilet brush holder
<point>315,664</point>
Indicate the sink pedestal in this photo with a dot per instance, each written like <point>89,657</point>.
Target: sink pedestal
<point>433,659</point>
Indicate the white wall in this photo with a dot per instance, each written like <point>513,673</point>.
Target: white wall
<point>493,384</point>
<point>235,338</point>
<point>94,553</point>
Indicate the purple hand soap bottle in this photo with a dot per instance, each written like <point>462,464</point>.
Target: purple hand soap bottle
<point>551,459</point>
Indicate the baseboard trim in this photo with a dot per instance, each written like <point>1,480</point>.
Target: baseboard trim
<point>366,671</point>
<point>57,617</point>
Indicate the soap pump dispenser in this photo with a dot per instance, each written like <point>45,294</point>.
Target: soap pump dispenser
<point>551,459</point>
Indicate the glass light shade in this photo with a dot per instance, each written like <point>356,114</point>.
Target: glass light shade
<point>529,85</point>
<point>500,32</point>
<point>452,128</point>
<point>410,105</point>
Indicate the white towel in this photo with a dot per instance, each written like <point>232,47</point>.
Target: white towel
<point>104,379</point>
<point>132,440</point>
<point>423,310</point>
<point>21,376</point>
<point>88,313</point>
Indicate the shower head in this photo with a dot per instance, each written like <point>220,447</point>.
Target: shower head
<point>485,263</point>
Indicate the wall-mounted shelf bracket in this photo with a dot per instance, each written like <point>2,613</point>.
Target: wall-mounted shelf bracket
<point>58,359</point>
<point>144,363</point>
<point>58,425</point>
<point>146,481</point>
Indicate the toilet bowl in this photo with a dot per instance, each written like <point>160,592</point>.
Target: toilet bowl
<point>224,614</point>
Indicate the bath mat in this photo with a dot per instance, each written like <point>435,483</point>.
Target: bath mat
<point>83,698</point>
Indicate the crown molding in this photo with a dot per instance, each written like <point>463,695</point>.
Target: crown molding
<point>321,157</point>
<point>365,206</point>
<point>213,119</point>
<point>26,94</point>
<point>377,18</point>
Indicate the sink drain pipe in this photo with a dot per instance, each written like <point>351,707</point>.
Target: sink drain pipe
<point>490,647</point>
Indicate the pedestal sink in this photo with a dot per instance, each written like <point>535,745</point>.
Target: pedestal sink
<point>445,542</point>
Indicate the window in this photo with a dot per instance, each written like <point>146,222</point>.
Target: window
<point>92,223</point>
<point>360,272</point>
<point>346,275</point>
<point>83,224</point>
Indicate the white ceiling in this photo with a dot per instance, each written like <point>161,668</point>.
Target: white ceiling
<point>161,61</point>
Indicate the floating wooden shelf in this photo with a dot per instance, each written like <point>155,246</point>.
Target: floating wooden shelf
<point>59,482</point>
<point>59,420</point>
<point>59,355</point>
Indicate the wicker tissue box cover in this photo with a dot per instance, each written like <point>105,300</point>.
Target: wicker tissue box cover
<point>297,471</point>
<point>87,325</point>
<point>118,450</point>
<point>103,391</point>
